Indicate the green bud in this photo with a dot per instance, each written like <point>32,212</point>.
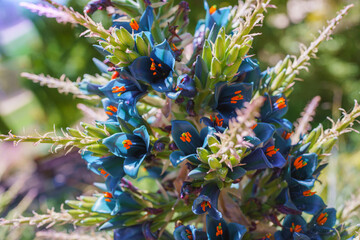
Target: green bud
<point>127,38</point>
<point>232,55</point>
<point>222,172</point>
<point>329,144</point>
<point>93,131</point>
<point>227,42</point>
<point>276,83</point>
<point>220,47</point>
<point>74,132</point>
<point>132,55</point>
<point>110,128</point>
<point>230,71</point>
<point>79,205</point>
<point>103,44</point>
<point>113,59</point>
<point>234,161</point>
<point>203,154</point>
<point>91,221</point>
<point>314,135</point>
<point>214,163</point>
<point>220,184</point>
<point>141,46</point>
<point>76,212</point>
<point>289,79</point>
<point>213,144</point>
<point>215,67</point>
<point>118,36</point>
<point>210,176</point>
<point>98,148</point>
<point>121,55</point>
<point>244,49</point>
<point>281,65</point>
<point>207,54</point>
<point>88,199</point>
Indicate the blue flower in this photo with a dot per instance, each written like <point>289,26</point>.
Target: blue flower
<point>125,88</point>
<point>283,141</point>
<point>156,69</point>
<point>88,88</point>
<point>187,139</point>
<point>185,87</point>
<point>216,122</point>
<point>323,221</point>
<point>274,109</point>
<point>188,232</point>
<point>293,226</point>
<point>301,170</point>
<point>220,17</point>
<point>207,201</point>
<point>264,157</point>
<point>229,97</point>
<point>218,229</point>
<point>263,133</point>
<point>132,147</point>
<point>111,109</point>
<point>249,72</point>
<point>145,24</point>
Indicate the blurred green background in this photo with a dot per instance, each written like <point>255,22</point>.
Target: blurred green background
<point>29,43</point>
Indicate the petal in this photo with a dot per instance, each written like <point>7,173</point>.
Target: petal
<point>164,53</point>
<point>188,144</point>
<point>133,233</point>
<point>143,133</point>
<point>264,131</point>
<point>256,160</point>
<point>147,19</point>
<point>236,173</point>
<point>115,143</point>
<point>236,231</point>
<point>140,69</point>
<point>132,165</point>
<point>309,204</point>
<point>211,228</point>
<point>102,206</point>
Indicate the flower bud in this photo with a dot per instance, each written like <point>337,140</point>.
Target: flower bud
<point>141,46</point>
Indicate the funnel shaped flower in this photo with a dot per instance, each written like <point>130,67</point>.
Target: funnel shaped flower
<point>216,122</point>
<point>229,97</point>
<point>323,221</point>
<point>132,147</point>
<point>249,72</point>
<point>145,23</point>
<point>207,201</point>
<point>283,141</point>
<point>221,230</point>
<point>156,69</point>
<point>187,139</point>
<point>301,170</point>
<point>263,133</point>
<point>125,88</point>
<point>264,157</point>
<point>274,109</point>
<point>293,225</point>
<point>185,86</point>
<point>220,17</point>
<point>115,202</point>
<point>111,109</point>
<point>188,232</point>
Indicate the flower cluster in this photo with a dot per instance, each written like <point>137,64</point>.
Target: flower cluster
<point>201,119</point>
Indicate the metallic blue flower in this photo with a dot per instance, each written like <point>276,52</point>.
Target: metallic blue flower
<point>323,221</point>
<point>283,141</point>
<point>185,87</point>
<point>274,109</point>
<point>229,97</point>
<point>88,88</point>
<point>263,133</point>
<point>219,229</point>
<point>125,88</point>
<point>132,147</point>
<point>264,157</point>
<point>156,69</point>
<point>145,23</point>
<point>216,122</point>
<point>301,170</point>
<point>189,232</point>
<point>220,17</point>
<point>207,201</point>
<point>249,72</point>
<point>187,139</point>
<point>111,109</point>
<point>293,226</point>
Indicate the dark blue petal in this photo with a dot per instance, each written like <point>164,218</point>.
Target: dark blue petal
<point>256,160</point>
<point>212,226</point>
<point>290,222</point>
<point>164,53</point>
<point>132,165</point>
<point>147,19</point>
<point>133,233</point>
<point>209,194</point>
<point>102,206</point>
<point>236,173</point>
<point>178,157</point>
<point>117,145</point>
<point>236,231</point>
<point>309,204</point>
<point>187,145</point>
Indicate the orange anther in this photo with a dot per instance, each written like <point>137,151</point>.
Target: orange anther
<point>280,103</point>
<point>186,137</point>
<point>296,228</point>
<point>321,220</point>
<point>205,204</point>
<point>115,75</point>
<point>134,25</point>
<point>270,151</point>
<point>127,144</point>
<point>212,10</point>
<point>299,163</point>
<point>308,193</point>
<point>219,230</point>
<point>117,89</point>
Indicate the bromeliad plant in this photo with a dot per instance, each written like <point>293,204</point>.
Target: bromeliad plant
<point>197,118</point>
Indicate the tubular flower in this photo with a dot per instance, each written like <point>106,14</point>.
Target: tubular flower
<point>132,147</point>
<point>207,201</point>
<point>111,109</point>
<point>219,229</point>
<point>185,87</point>
<point>216,122</point>
<point>293,226</point>
<point>157,69</point>
<point>264,157</point>
<point>188,232</point>
<point>187,139</point>
<point>144,25</point>
<point>229,97</point>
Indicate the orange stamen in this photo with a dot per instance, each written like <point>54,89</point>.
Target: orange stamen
<point>321,220</point>
<point>280,103</point>
<point>270,151</point>
<point>154,73</point>
<point>112,108</point>
<point>188,234</point>
<point>308,193</point>
<point>212,10</point>
<point>299,163</point>
<point>134,25</point>
<point>219,230</point>
<point>237,98</point>
<point>115,75</point>
<point>127,143</point>
<point>286,135</point>
<point>119,90</point>
<point>296,228</point>
<point>174,48</point>
<point>186,137</point>
<point>205,204</point>
<point>103,172</point>
<point>253,127</point>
